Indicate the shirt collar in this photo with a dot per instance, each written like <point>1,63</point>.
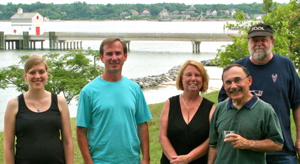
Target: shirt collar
<point>248,105</point>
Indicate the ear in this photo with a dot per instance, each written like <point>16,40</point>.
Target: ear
<point>273,41</point>
<point>125,56</point>
<point>24,74</point>
<point>101,57</point>
<point>250,79</point>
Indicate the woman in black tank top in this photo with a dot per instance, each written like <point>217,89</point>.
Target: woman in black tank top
<point>39,121</point>
<point>185,118</point>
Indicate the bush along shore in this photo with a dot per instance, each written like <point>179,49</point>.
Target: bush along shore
<point>171,75</point>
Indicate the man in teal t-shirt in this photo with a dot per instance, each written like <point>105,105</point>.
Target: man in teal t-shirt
<point>112,113</point>
<point>254,123</point>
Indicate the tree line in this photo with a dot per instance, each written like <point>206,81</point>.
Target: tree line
<point>84,11</point>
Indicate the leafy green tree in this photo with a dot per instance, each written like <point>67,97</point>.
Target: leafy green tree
<point>69,73</point>
<point>155,10</point>
<point>239,48</point>
<point>284,20</point>
<point>140,7</point>
<point>294,34</point>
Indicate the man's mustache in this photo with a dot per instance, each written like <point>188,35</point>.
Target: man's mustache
<point>260,47</point>
<point>235,89</point>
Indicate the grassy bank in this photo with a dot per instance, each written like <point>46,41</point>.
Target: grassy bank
<point>155,148</point>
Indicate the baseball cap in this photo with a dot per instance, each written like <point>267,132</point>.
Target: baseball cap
<point>260,29</point>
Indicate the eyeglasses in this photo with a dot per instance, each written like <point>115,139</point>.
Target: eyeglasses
<point>235,81</point>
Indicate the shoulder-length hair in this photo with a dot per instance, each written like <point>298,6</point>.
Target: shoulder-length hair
<point>201,69</point>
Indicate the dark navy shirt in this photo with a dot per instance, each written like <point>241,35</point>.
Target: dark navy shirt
<point>280,84</point>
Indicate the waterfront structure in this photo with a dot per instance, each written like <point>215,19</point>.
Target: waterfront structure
<point>31,22</point>
<point>28,29</point>
<point>73,40</point>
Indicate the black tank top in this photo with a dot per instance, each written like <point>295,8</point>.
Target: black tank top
<point>38,135</point>
<point>185,137</point>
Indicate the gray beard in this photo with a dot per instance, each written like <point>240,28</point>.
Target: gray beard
<point>260,56</point>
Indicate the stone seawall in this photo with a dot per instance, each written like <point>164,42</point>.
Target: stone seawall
<point>171,75</point>
<point>151,81</point>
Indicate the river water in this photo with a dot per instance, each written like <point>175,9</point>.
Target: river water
<point>145,58</point>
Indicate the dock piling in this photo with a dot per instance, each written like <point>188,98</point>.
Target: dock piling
<point>26,40</point>
<point>2,40</point>
<point>196,46</point>
<point>52,40</point>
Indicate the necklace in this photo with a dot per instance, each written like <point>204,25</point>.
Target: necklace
<point>185,103</point>
<point>38,109</point>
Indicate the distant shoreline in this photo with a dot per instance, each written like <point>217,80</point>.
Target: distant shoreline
<point>59,20</point>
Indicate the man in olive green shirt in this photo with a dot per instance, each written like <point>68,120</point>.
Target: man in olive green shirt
<point>255,123</point>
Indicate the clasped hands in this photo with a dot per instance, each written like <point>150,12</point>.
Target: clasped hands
<point>181,159</point>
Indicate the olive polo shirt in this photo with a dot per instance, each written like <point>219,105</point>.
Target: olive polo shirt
<point>256,120</point>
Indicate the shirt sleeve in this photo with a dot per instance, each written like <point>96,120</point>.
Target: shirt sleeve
<point>143,113</point>
<point>294,91</point>
<point>84,110</point>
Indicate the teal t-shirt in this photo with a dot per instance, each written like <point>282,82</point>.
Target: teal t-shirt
<point>111,112</point>
<point>256,120</point>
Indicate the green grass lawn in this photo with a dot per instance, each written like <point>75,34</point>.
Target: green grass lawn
<point>155,148</point>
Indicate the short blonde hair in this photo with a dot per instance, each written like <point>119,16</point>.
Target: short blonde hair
<point>201,69</point>
<point>34,60</point>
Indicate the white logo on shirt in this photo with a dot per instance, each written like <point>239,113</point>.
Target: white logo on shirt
<point>274,77</point>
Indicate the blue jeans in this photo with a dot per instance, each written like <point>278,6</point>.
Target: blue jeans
<point>282,159</point>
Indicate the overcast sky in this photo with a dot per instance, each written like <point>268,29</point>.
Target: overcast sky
<point>187,2</point>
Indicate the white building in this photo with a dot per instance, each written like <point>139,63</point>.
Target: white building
<point>164,13</point>
<point>146,12</point>
<point>31,22</point>
<point>233,12</point>
<point>258,16</point>
<point>214,13</point>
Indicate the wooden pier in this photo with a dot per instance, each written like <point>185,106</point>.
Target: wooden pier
<point>73,40</point>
